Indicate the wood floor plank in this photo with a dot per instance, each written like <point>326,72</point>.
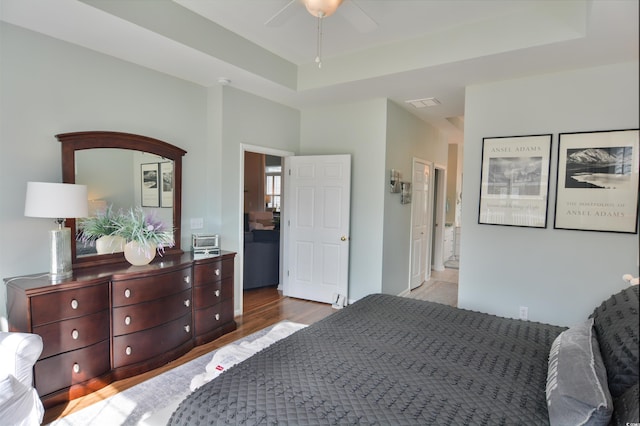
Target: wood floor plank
<point>262,308</point>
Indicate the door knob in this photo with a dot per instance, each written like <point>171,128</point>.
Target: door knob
<point>343,238</point>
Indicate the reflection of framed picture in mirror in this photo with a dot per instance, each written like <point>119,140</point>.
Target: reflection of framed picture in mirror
<point>150,185</point>
<point>515,180</point>
<point>166,184</point>
<point>597,184</point>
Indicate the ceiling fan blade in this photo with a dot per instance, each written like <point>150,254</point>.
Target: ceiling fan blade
<point>357,17</point>
<point>283,15</point>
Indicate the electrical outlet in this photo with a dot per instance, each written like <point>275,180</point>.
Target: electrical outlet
<point>197,223</point>
<point>524,313</point>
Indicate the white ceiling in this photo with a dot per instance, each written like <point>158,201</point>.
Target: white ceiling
<point>410,49</point>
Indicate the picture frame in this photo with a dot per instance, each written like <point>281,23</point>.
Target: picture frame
<point>149,184</point>
<point>166,184</point>
<point>514,183</point>
<point>597,181</point>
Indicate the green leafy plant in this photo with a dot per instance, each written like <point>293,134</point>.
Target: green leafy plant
<point>92,228</point>
<point>146,230</point>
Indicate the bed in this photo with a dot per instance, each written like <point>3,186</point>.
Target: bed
<point>389,360</point>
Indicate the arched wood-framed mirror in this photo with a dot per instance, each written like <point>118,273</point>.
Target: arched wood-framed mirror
<point>141,154</point>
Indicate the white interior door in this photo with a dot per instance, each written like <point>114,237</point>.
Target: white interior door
<point>420,235</point>
<point>316,253</point>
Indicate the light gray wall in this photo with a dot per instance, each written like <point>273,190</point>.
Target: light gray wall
<point>247,120</point>
<point>407,138</point>
<point>357,129</point>
<point>560,275</point>
<point>49,87</point>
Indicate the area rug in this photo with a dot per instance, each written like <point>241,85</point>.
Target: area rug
<point>151,402</point>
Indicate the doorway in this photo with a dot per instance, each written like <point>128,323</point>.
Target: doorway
<point>427,221</point>
<point>439,215</point>
<point>256,196</point>
<point>420,265</point>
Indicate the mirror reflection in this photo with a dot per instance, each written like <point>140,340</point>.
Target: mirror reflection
<point>121,179</point>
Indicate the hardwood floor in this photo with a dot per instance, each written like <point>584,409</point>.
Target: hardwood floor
<point>262,307</point>
<point>442,287</point>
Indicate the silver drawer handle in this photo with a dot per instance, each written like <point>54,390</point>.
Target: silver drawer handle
<point>76,367</point>
<point>74,304</point>
<point>217,316</point>
<point>75,334</point>
<point>187,328</point>
<point>217,272</point>
<point>128,350</point>
<point>187,302</point>
<point>127,320</point>
<point>217,293</point>
<point>127,293</point>
<point>187,279</point>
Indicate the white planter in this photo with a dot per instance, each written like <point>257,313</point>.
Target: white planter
<point>110,244</point>
<point>138,255</point>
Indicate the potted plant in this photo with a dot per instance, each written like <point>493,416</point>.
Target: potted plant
<point>100,230</point>
<point>144,235</point>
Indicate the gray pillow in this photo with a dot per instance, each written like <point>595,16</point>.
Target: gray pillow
<point>616,324</point>
<point>577,392</point>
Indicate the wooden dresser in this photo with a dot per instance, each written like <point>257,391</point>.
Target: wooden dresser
<point>115,321</point>
<point>212,298</point>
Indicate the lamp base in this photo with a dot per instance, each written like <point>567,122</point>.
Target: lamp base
<point>60,254</point>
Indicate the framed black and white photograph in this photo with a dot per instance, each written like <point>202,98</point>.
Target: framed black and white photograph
<point>166,184</point>
<point>597,187</point>
<point>514,184</point>
<point>150,195</point>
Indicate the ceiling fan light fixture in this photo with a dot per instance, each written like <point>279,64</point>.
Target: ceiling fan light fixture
<point>322,8</point>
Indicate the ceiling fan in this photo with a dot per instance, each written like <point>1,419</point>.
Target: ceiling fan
<point>322,9</point>
<point>348,9</point>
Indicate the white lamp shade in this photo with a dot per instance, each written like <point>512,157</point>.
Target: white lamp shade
<point>56,200</point>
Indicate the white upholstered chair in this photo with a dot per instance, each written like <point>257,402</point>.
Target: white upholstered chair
<point>20,404</point>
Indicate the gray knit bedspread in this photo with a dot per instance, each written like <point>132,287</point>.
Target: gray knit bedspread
<point>387,360</point>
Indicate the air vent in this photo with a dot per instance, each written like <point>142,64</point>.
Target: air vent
<point>422,103</point>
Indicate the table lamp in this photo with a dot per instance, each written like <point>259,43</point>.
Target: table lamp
<point>57,201</point>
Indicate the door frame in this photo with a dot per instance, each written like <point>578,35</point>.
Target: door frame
<point>440,194</point>
<point>240,255</point>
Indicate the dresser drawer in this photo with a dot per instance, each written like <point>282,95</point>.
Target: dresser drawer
<point>212,293</point>
<point>133,318</point>
<point>72,334</point>
<point>144,345</point>
<point>210,318</point>
<point>67,304</point>
<point>137,290</point>
<point>70,368</point>
<point>213,271</point>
